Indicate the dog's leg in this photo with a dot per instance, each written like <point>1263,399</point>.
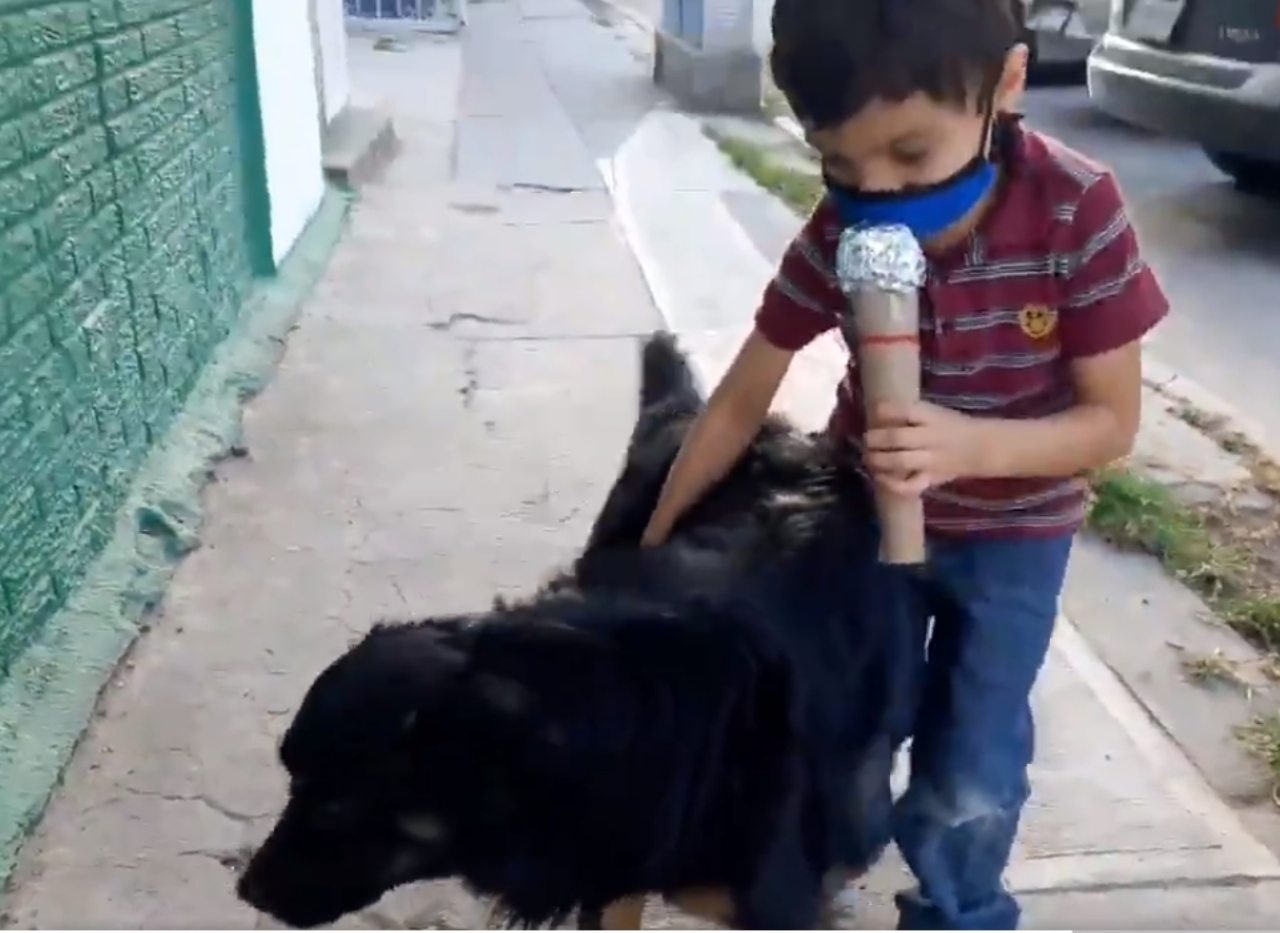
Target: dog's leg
<point>712,904</point>
<point>624,914</point>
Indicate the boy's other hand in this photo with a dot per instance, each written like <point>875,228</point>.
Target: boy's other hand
<point>912,447</point>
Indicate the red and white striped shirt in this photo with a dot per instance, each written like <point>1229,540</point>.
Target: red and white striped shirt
<point>1053,273</point>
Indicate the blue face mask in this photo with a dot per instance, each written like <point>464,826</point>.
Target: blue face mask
<point>927,210</point>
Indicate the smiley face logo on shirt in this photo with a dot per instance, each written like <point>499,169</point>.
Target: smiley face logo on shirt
<point>1038,321</point>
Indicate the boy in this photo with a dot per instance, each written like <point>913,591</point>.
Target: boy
<point>1032,316</point>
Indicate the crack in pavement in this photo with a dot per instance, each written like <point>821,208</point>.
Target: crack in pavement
<point>230,813</point>
<point>1237,880</point>
<point>547,189</point>
<point>395,585</point>
<point>461,317</point>
<point>471,375</point>
<point>234,860</point>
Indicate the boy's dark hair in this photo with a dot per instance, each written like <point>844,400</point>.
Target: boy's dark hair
<point>833,57</point>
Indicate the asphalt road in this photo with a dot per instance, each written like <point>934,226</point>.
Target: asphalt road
<point>1215,249</point>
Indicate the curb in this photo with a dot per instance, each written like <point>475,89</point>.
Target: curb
<point>1173,385</point>
<point>793,129</point>
<point>632,16</point>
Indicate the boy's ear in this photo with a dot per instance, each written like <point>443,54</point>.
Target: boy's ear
<point>1013,80</point>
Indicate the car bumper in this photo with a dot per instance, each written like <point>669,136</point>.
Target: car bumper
<point>1221,104</point>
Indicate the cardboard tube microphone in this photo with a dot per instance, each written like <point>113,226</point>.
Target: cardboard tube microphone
<point>881,270</point>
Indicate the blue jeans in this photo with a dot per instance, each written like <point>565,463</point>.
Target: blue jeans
<point>994,606</point>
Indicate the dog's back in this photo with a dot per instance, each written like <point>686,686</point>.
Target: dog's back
<point>783,471</point>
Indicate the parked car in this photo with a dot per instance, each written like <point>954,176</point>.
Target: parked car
<point>1207,71</point>
<point>1061,33</point>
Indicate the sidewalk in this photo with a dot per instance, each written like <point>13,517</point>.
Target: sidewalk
<point>444,424</point>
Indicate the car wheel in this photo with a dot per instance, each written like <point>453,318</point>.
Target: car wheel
<point>1255,175</point>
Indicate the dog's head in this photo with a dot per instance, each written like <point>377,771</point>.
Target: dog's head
<point>400,757</point>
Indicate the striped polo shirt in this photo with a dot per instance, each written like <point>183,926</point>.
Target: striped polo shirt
<point>1051,274</point>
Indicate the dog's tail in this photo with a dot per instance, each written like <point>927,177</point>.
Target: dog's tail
<point>665,376</point>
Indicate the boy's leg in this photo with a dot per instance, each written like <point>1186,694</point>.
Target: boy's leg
<point>974,738</point>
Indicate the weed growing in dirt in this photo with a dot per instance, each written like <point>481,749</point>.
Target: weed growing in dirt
<point>1265,471</point>
<point>798,190</point>
<point>1211,671</point>
<point>1141,515</point>
<point>1209,548</point>
<point>1262,738</point>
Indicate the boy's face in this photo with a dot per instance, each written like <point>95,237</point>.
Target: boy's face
<point>889,146</point>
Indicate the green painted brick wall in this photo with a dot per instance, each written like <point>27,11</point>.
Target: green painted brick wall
<point>123,262</point>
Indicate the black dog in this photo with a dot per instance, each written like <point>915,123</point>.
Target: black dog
<point>719,713</point>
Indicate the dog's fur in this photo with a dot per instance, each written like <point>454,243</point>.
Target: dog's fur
<point>716,713</point>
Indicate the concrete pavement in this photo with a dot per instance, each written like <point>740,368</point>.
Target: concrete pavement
<point>446,419</point>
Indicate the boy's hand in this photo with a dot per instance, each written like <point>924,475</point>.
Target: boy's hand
<point>653,536</point>
<point>911,447</point>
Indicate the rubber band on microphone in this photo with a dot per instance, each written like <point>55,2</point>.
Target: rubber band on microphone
<point>881,340</point>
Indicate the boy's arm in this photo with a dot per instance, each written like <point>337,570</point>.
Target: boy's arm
<point>1112,301</point>
<point>804,299</point>
<point>800,303</point>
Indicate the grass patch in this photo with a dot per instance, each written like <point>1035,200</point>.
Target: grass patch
<point>1257,618</point>
<point>1142,515</point>
<point>799,190</point>
<point>1206,547</point>
<point>1231,560</point>
<point>1262,738</point>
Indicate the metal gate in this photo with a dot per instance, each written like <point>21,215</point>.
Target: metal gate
<point>417,15</point>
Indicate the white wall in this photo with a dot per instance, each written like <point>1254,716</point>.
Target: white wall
<point>286,83</point>
<point>331,24</point>
<point>762,27</point>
